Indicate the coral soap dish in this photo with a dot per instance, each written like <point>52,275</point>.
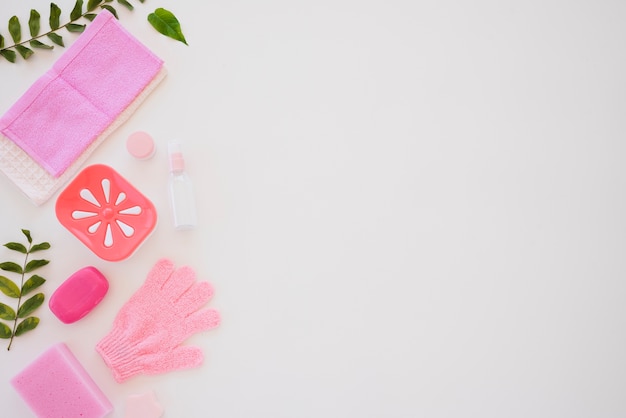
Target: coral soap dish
<point>106,213</point>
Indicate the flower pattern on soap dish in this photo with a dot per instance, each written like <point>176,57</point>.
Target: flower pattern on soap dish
<point>108,213</point>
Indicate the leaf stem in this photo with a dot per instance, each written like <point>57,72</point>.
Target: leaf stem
<point>19,299</point>
<point>47,33</point>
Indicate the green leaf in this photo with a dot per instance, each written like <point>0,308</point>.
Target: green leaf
<point>35,264</point>
<point>5,331</point>
<point>9,266</point>
<point>1,41</point>
<point>110,9</point>
<point>126,4</point>
<point>26,233</point>
<point>167,24</point>
<point>39,247</point>
<point>30,305</point>
<point>8,55</point>
<point>38,44</point>
<point>16,246</point>
<point>72,27</point>
<point>24,52</point>
<point>26,325</point>
<point>34,23</point>
<point>9,288</point>
<point>15,29</point>
<point>55,14</point>
<point>77,11</point>
<point>92,4</point>
<point>90,16</point>
<point>56,38</point>
<point>34,282</point>
<point>6,312</point>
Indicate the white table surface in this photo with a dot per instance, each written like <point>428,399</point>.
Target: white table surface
<point>407,208</point>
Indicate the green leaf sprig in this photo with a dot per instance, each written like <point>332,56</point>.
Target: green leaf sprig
<point>162,20</point>
<point>21,321</point>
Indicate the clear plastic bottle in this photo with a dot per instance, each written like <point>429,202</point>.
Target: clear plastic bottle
<point>180,189</point>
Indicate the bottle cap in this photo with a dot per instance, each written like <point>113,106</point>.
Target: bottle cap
<point>177,162</point>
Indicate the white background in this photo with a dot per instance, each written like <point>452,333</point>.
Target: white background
<point>407,208</point>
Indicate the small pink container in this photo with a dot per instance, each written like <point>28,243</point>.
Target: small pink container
<point>140,145</point>
<point>78,295</point>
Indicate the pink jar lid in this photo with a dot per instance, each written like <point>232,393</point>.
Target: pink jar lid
<point>78,295</point>
<point>140,145</point>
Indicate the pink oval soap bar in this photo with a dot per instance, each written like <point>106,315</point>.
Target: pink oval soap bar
<point>78,295</point>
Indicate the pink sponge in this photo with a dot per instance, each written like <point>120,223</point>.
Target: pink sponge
<point>56,385</point>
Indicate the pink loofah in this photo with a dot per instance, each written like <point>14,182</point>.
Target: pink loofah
<point>56,385</point>
<point>150,328</point>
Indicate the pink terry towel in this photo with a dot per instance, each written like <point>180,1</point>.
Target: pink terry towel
<point>93,87</point>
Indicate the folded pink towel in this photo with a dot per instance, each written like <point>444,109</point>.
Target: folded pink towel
<point>65,114</point>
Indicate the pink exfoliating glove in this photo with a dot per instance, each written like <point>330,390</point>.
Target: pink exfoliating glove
<point>150,328</point>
